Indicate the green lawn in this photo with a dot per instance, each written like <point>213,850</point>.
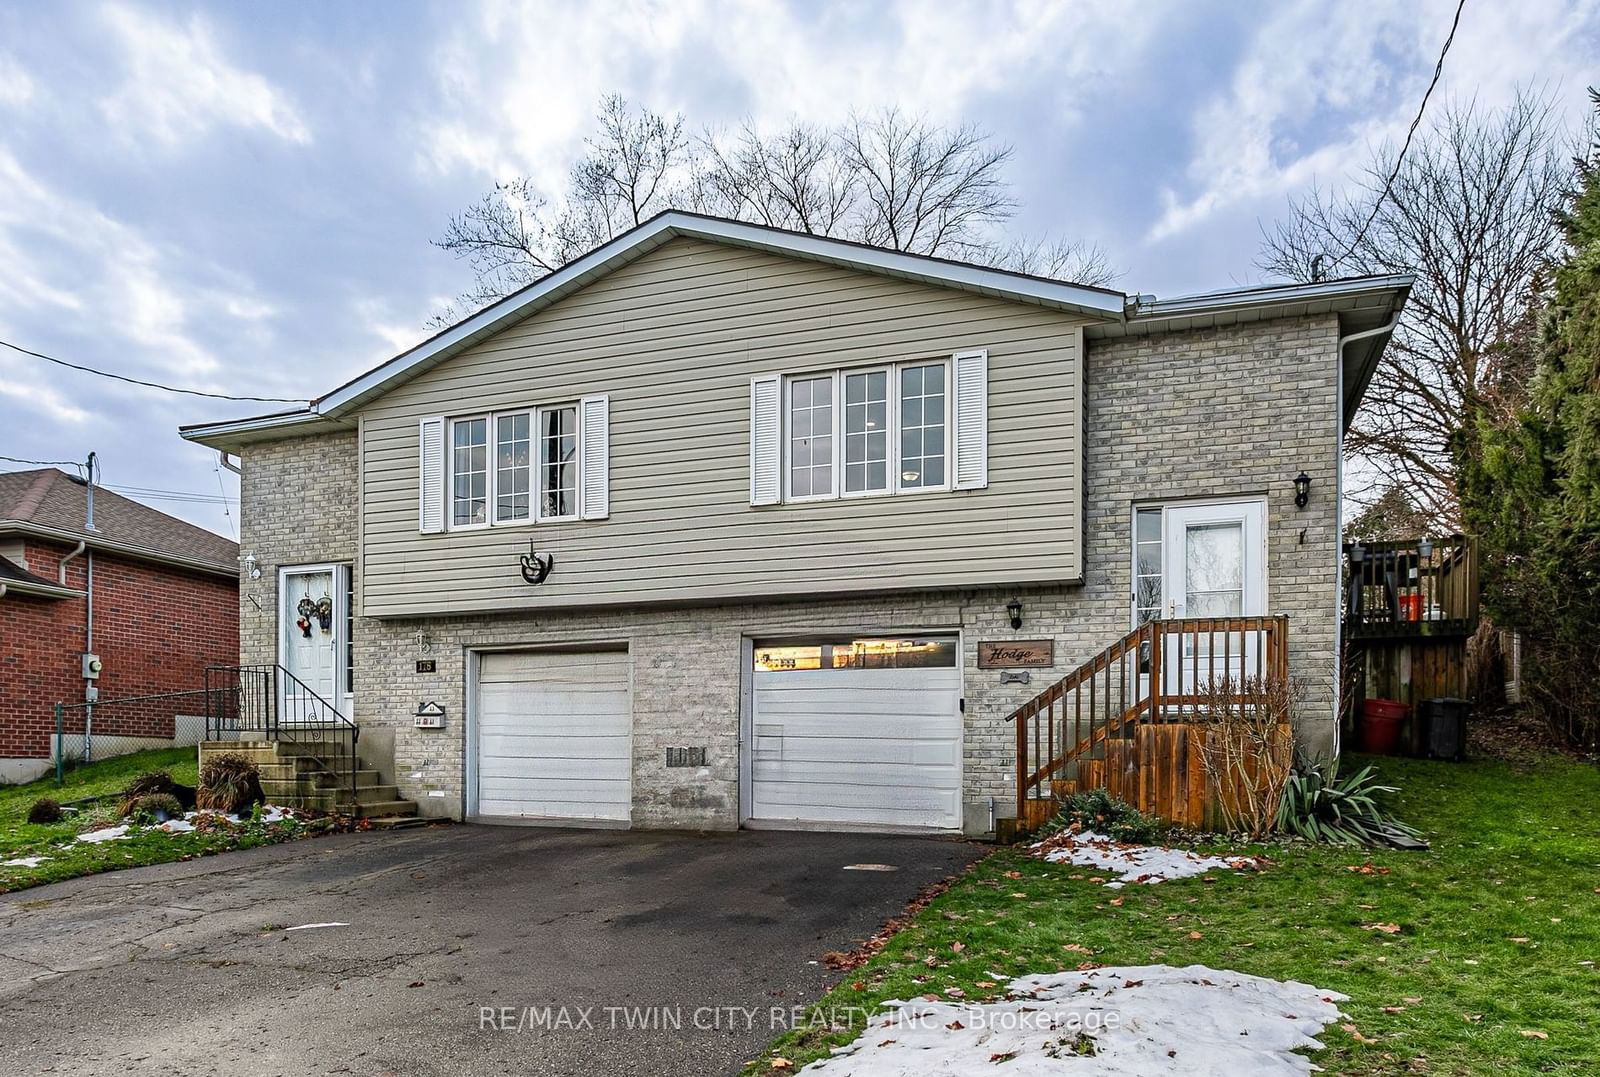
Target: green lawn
<point>1492,971</point>
<point>20,838</point>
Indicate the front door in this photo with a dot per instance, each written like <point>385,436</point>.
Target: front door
<point>312,627</point>
<point>1215,568</point>
<point>1197,560</point>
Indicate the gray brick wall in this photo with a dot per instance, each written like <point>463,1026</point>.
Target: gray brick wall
<point>1205,413</point>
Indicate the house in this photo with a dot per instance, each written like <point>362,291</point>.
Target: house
<point>132,603</point>
<point>722,525</point>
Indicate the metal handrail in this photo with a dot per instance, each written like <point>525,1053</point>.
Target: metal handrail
<point>251,699</point>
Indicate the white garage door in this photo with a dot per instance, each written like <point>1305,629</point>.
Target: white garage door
<point>864,731</point>
<point>554,736</point>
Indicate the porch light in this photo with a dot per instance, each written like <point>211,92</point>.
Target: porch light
<point>1014,611</point>
<point>1302,490</point>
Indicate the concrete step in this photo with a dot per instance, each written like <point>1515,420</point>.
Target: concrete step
<point>382,809</point>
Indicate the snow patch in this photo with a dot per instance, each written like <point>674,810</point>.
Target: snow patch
<point>1134,863</point>
<point>271,813</point>
<point>110,833</point>
<point>24,862</point>
<point>1130,1021</point>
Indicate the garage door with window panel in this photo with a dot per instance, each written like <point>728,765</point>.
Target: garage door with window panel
<point>857,731</point>
<point>554,736</point>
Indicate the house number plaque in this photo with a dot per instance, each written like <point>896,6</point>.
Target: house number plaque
<point>1016,654</point>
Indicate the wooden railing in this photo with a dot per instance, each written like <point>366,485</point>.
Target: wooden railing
<point>1087,725</point>
<point>1412,587</point>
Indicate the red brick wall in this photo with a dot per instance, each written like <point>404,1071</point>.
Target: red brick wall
<point>156,628</point>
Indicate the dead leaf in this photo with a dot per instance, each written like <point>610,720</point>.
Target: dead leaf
<point>1074,948</point>
<point>859,985</point>
<point>1520,939</point>
<point>1535,1034</point>
<point>1394,1009</point>
<point>1356,1035</point>
<point>782,1064</point>
<point>1085,966</point>
<point>1196,935</point>
<point>1013,874</point>
<point>1019,895</point>
<point>1006,1057</point>
<point>1411,1001</point>
<point>1470,1017</point>
<point>983,983</point>
<point>414,983</point>
<point>957,947</point>
<point>955,1026</point>
<point>1133,983</point>
<point>1387,929</point>
<point>1117,902</point>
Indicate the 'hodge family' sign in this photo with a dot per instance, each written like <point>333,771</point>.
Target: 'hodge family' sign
<point>1016,654</point>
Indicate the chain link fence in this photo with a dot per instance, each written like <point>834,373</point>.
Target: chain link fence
<point>87,732</point>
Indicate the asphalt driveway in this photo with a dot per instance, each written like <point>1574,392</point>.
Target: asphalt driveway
<point>459,950</point>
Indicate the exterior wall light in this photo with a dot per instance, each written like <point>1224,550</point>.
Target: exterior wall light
<point>1014,611</point>
<point>251,569</point>
<point>1302,490</point>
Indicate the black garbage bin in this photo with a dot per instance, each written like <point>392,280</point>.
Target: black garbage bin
<point>1444,727</point>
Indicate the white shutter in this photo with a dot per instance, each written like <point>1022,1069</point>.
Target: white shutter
<point>594,457</point>
<point>430,476</point>
<point>766,440</point>
<point>972,420</point>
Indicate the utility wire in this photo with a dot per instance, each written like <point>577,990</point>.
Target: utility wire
<point>44,463</point>
<point>148,384</point>
<point>226,511</point>
<point>1394,173</point>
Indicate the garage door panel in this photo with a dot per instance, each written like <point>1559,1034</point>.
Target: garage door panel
<point>554,736</point>
<point>857,746</point>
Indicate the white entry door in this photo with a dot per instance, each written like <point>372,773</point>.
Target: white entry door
<point>856,731</point>
<point>1214,566</point>
<point>554,737</point>
<point>313,626</point>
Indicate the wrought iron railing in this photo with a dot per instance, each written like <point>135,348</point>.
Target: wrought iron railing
<point>1163,672</point>
<point>1412,587</point>
<point>270,702</point>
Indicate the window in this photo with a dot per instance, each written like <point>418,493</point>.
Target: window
<point>811,437</point>
<point>558,463</point>
<point>866,432</point>
<point>854,433</point>
<point>534,475</point>
<point>1147,583</point>
<point>922,427</point>
<point>469,466</point>
<point>919,652</point>
<point>513,473</point>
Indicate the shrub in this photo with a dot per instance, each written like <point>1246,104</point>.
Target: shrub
<point>155,808</point>
<point>1103,813</point>
<point>151,783</point>
<point>44,810</point>
<point>1318,806</point>
<point>229,783</point>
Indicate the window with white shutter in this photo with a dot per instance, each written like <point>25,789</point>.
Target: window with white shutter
<point>766,440</point>
<point>594,456</point>
<point>971,420</point>
<point>430,475</point>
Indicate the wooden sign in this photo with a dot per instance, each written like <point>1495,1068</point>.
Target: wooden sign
<point>1016,654</point>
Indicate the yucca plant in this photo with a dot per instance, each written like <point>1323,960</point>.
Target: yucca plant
<point>1319,806</point>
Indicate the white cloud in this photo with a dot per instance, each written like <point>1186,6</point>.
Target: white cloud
<point>179,84</point>
<point>518,84</point>
<point>16,87</point>
<point>1350,77</point>
<point>147,309</point>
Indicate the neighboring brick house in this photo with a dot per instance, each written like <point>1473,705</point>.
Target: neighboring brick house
<point>155,598</point>
<point>721,525</point>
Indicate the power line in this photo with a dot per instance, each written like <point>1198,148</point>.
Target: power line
<point>44,463</point>
<point>226,511</point>
<point>1394,173</point>
<point>148,384</point>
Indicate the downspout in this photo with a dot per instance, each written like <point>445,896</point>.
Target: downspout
<point>61,575</point>
<point>1338,532</point>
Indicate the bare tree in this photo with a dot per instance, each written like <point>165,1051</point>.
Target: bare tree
<point>882,178</point>
<point>1469,210</point>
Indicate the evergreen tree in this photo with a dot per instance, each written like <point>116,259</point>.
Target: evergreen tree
<point>1533,495</point>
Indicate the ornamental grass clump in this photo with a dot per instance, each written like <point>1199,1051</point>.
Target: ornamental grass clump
<point>153,808</point>
<point>44,810</point>
<point>1320,807</point>
<point>229,783</point>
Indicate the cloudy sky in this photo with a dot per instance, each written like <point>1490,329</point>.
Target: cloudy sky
<point>239,198</point>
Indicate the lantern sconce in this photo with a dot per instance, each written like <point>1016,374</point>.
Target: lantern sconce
<point>1302,490</point>
<point>251,569</point>
<point>1014,611</point>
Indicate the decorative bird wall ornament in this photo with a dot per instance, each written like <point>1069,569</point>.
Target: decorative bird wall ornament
<point>536,566</point>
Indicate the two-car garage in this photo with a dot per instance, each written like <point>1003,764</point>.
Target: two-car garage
<point>845,731</point>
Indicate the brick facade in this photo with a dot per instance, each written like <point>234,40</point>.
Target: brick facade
<point>156,628</point>
<point>1198,414</point>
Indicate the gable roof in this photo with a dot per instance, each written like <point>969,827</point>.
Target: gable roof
<point>1106,309</point>
<point>48,503</point>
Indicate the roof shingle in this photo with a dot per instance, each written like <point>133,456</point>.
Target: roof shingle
<point>53,499</point>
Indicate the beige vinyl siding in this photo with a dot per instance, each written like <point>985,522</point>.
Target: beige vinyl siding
<point>674,339</point>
